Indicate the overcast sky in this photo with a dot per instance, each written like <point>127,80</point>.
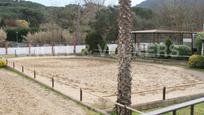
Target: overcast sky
<point>65,2</point>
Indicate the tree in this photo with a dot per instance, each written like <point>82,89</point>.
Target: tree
<point>22,23</point>
<point>125,55</point>
<point>95,43</point>
<point>105,23</point>
<point>3,35</point>
<point>51,34</point>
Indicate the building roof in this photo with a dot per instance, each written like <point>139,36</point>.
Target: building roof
<point>158,31</point>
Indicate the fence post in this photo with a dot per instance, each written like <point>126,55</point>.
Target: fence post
<point>53,82</point>
<point>164,93</point>
<point>81,94</point>
<point>13,65</point>
<point>6,62</point>
<point>22,69</point>
<point>15,53</point>
<point>192,110</point>
<point>34,74</point>
<point>125,108</point>
<point>174,112</point>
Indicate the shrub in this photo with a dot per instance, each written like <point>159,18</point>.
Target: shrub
<point>157,50</point>
<point>2,63</point>
<point>84,51</point>
<point>199,38</point>
<point>182,50</point>
<point>95,43</point>
<point>168,44</point>
<point>13,34</point>
<point>196,61</point>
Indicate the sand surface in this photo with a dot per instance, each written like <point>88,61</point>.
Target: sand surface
<point>20,96</point>
<point>99,76</point>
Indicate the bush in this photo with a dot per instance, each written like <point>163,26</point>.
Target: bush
<point>12,33</point>
<point>168,44</point>
<point>199,38</point>
<point>95,43</point>
<point>196,61</point>
<point>157,50</point>
<point>183,50</point>
<point>2,63</point>
<point>84,51</point>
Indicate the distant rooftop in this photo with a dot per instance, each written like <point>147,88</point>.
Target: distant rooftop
<point>159,31</point>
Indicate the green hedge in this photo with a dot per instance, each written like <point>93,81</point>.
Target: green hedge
<point>183,51</point>
<point>196,61</point>
<point>176,51</point>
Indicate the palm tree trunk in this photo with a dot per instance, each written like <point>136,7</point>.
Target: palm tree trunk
<point>125,56</point>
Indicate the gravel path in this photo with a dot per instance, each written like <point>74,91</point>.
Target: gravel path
<point>20,96</point>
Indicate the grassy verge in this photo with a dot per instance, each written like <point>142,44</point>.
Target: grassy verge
<point>7,56</point>
<point>133,113</point>
<point>199,110</point>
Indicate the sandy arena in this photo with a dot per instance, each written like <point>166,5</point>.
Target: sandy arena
<point>20,96</point>
<point>99,76</point>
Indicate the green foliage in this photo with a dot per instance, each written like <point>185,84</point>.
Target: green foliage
<point>18,33</point>
<point>196,61</point>
<point>32,12</point>
<point>2,63</point>
<point>183,50</point>
<point>169,50</point>
<point>168,44</point>
<point>84,51</point>
<point>157,50</point>
<point>66,16</point>
<point>106,21</point>
<point>199,39</point>
<point>95,43</point>
<point>144,18</point>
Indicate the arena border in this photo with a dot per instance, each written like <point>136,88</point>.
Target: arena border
<point>102,112</point>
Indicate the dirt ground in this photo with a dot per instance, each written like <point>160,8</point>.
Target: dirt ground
<point>20,96</point>
<point>99,76</point>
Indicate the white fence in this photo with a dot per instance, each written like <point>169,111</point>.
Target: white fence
<point>47,50</point>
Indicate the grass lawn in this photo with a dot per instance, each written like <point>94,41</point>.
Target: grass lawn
<point>7,56</point>
<point>199,110</point>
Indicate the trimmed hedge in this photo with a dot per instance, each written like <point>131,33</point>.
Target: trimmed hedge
<point>196,61</point>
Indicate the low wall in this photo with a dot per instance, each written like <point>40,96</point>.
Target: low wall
<point>168,102</point>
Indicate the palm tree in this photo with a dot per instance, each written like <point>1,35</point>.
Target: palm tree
<point>125,56</point>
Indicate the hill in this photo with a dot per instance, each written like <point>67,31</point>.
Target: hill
<point>34,13</point>
<point>157,4</point>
